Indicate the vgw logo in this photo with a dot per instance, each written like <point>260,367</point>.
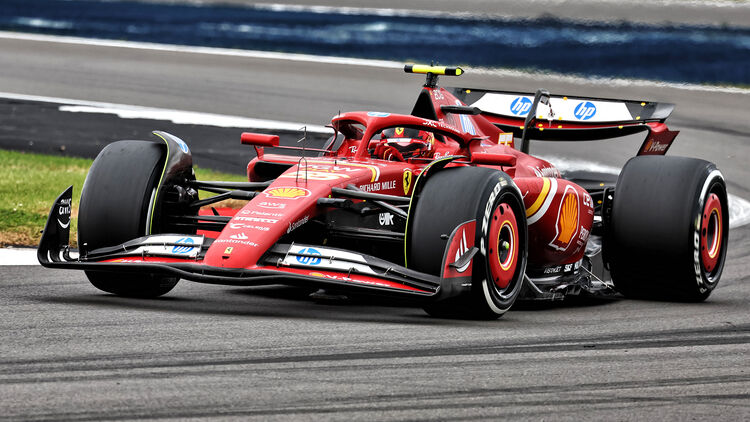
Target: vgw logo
<point>309,260</point>
<point>520,106</point>
<point>585,110</point>
<point>183,249</point>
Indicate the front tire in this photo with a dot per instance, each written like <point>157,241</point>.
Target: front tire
<point>456,195</point>
<point>669,229</point>
<point>115,203</point>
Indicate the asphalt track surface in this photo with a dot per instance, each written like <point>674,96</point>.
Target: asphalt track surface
<point>69,352</point>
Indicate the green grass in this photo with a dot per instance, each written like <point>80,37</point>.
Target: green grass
<point>29,183</point>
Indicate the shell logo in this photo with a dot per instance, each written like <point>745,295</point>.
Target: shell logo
<point>287,193</point>
<point>567,220</point>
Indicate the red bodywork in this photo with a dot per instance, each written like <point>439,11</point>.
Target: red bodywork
<point>560,213</point>
<point>307,220</point>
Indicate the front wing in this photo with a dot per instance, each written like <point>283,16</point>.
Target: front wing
<point>181,255</point>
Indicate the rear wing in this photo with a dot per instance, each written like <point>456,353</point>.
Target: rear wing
<point>543,116</point>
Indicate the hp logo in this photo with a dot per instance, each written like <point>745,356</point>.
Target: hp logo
<point>585,110</point>
<point>183,145</point>
<point>309,260</point>
<point>183,249</point>
<point>520,106</point>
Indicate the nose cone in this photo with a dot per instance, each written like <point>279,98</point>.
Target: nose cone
<point>260,223</point>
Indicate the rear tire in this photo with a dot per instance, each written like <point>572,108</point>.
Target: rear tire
<point>669,229</point>
<point>115,203</point>
<point>452,197</point>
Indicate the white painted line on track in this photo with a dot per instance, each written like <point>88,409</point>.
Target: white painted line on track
<point>270,55</point>
<point>216,51</point>
<point>739,208</point>
<point>18,256</point>
<point>127,111</point>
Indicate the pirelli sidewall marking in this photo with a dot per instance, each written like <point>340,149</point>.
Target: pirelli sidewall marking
<point>488,212</point>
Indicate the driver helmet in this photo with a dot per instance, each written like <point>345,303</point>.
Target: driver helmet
<point>408,141</point>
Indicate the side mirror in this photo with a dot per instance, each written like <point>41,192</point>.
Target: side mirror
<point>493,159</point>
<point>259,139</point>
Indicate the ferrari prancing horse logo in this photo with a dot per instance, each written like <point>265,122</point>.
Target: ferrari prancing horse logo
<point>407,181</point>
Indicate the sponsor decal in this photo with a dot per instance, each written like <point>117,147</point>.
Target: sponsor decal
<point>408,177</point>
<point>437,94</point>
<point>297,223</point>
<point>309,260</point>
<point>256,219</point>
<point>385,219</point>
<point>566,226</point>
<point>584,234</point>
<point>228,250</point>
<point>553,270</point>
<point>168,245</point>
<point>429,123</point>
<point>546,171</point>
<point>179,249</point>
<point>520,106</point>
<point>466,122</point>
<point>272,205</point>
<point>261,213</point>
<point>183,146</point>
<point>239,236</point>
<point>236,242</point>
<point>315,173</point>
<point>248,226</point>
<point>399,131</point>
<point>505,139</point>
<point>377,186</point>
<point>559,269</point>
<point>319,165</point>
<point>335,259</point>
<point>584,110</point>
<point>287,193</point>
<point>588,201</point>
<point>378,114</point>
<point>63,210</point>
<point>655,146</point>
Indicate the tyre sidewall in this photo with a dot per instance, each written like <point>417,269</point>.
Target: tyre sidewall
<point>656,219</point>
<point>499,300</point>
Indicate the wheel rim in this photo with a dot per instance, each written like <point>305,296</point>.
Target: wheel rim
<point>711,233</point>
<point>503,250</point>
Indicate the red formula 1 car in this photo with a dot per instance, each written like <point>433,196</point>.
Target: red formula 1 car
<point>438,207</point>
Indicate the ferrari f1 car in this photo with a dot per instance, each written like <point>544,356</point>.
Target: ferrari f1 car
<point>443,207</point>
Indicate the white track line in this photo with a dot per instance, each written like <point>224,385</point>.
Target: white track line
<point>357,62</point>
<point>18,256</point>
<point>127,111</point>
<point>739,208</point>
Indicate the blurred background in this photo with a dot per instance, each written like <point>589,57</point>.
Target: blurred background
<point>679,41</point>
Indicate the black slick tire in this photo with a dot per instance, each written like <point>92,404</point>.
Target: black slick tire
<point>114,208</point>
<point>669,229</point>
<point>456,195</point>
